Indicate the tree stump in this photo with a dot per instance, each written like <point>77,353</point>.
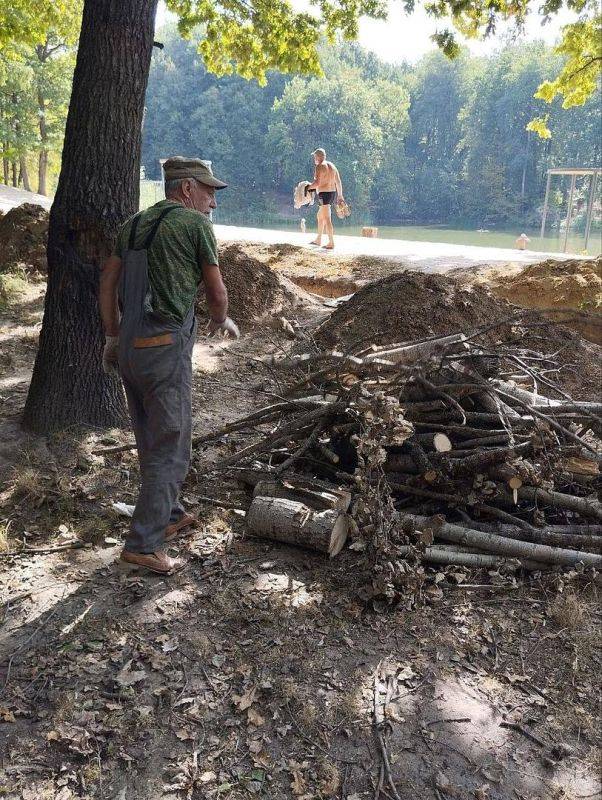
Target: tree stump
<point>287,521</point>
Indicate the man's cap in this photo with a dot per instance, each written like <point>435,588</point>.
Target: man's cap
<point>180,168</point>
<point>319,152</point>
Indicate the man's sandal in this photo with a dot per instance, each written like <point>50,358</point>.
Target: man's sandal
<point>176,529</point>
<point>158,562</point>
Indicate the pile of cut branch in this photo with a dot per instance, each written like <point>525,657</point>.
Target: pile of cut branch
<point>451,450</point>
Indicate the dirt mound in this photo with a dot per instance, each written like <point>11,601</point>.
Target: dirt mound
<point>407,306</point>
<point>255,292</point>
<point>575,284</point>
<point>413,305</point>
<point>23,238</point>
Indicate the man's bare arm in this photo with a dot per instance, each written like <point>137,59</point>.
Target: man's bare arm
<point>107,295</point>
<point>217,300</point>
<point>338,183</point>
<point>215,292</point>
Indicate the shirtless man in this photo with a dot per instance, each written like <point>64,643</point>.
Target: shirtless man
<point>327,183</point>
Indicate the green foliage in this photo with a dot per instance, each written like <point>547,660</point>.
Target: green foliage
<point>35,85</point>
<point>579,78</point>
<point>29,21</point>
<point>255,37</point>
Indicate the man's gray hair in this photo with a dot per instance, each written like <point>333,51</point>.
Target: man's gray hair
<point>171,187</point>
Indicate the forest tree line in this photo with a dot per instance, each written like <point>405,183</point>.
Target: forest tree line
<point>440,142</point>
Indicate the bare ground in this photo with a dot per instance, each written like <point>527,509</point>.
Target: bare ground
<point>257,670</point>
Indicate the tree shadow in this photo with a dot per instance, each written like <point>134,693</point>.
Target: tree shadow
<point>255,659</point>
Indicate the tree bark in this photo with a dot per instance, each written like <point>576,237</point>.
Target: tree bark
<point>98,190</point>
<point>43,154</point>
<point>42,170</point>
<point>24,174</point>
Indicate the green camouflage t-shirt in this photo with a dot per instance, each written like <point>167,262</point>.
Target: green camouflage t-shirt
<point>184,240</point>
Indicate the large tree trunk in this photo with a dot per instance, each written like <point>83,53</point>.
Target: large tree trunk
<point>42,171</point>
<point>24,173</point>
<point>98,190</point>
<point>43,155</point>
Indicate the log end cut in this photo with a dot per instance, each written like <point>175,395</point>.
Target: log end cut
<point>339,535</point>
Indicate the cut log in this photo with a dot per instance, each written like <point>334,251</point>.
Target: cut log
<point>415,352</point>
<point>580,540</point>
<point>398,462</point>
<point>580,466</point>
<point>492,543</point>
<point>530,398</point>
<point>304,492</point>
<point>287,521</point>
<point>441,555</point>
<point>586,506</point>
<point>442,443</point>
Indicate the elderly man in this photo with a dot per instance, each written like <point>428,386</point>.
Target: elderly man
<point>326,182</point>
<point>161,257</point>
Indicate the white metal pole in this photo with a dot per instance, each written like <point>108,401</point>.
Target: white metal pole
<point>569,214</point>
<point>590,207</point>
<point>545,206</point>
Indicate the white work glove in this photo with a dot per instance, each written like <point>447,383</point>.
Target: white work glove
<point>227,327</point>
<point>109,356</point>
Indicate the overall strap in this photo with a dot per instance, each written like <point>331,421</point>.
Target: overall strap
<point>133,229</point>
<point>151,235</point>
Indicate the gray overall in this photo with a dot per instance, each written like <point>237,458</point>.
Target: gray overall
<point>155,361</point>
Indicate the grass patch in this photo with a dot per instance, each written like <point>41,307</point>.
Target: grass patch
<point>13,286</point>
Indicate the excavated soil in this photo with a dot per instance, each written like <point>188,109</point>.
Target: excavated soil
<point>575,285</point>
<point>413,305</point>
<point>23,239</point>
<point>560,285</point>
<point>255,292</point>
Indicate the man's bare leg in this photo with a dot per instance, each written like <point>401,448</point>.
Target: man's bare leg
<point>329,228</point>
<point>320,219</point>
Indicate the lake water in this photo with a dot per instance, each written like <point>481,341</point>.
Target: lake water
<point>435,233</point>
<point>152,191</point>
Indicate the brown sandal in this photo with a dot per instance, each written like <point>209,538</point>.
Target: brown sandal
<point>176,528</point>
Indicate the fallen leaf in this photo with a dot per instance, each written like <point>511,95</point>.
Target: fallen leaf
<point>245,700</point>
<point>255,717</point>
<point>6,715</point>
<point>128,677</point>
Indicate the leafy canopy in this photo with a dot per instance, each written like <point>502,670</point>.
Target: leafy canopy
<point>578,80</point>
<point>254,36</point>
<point>28,21</point>
<point>251,37</point>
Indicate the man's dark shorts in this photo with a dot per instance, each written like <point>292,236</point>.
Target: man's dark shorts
<point>326,198</point>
